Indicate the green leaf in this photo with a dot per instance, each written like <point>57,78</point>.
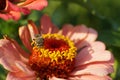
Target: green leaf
<point>3,73</point>
<point>110,37</point>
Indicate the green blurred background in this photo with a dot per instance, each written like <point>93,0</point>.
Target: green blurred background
<point>102,15</point>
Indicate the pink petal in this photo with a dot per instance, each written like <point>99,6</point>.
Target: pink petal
<point>4,16</point>
<point>91,37</point>
<point>24,68</point>
<point>25,37</point>
<point>12,11</point>
<point>94,53</point>
<point>15,15</point>
<point>79,33</point>
<point>9,54</point>
<point>7,47</point>
<point>47,26</point>
<point>25,11</point>
<point>102,69</point>
<point>35,4</point>
<point>12,7</point>
<point>32,29</point>
<point>54,78</point>
<point>90,77</point>
<point>98,46</point>
<point>66,30</point>
<point>8,63</point>
<point>11,15</point>
<point>76,34</point>
<point>17,76</point>
<point>24,72</point>
<point>24,55</point>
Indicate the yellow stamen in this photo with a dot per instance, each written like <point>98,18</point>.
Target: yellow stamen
<point>57,53</point>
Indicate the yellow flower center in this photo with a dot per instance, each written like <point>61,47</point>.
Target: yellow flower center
<point>53,55</point>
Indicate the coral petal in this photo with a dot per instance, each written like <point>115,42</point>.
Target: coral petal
<point>93,53</point>
<point>47,26</point>
<point>15,15</point>
<point>91,37</point>
<point>9,54</point>
<point>25,37</point>
<point>24,68</point>
<point>35,4</point>
<point>7,64</point>
<point>4,16</point>
<point>90,77</point>
<point>17,76</point>
<point>32,29</point>
<point>79,33</point>
<point>24,55</point>
<point>11,15</point>
<point>54,78</point>
<point>94,69</point>
<point>66,30</point>
<point>98,46</point>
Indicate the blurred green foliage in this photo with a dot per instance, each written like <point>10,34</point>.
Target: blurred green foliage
<point>102,15</point>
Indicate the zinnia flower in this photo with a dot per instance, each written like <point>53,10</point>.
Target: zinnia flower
<point>11,9</point>
<point>67,54</point>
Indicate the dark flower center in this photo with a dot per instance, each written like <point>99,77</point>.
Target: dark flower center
<point>54,58</point>
<point>52,44</point>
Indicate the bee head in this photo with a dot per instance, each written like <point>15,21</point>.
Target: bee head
<point>38,41</point>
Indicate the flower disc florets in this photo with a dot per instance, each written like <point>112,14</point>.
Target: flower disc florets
<point>54,58</point>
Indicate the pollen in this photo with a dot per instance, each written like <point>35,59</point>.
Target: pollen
<point>54,58</point>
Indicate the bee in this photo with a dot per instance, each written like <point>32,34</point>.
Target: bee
<point>38,41</point>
